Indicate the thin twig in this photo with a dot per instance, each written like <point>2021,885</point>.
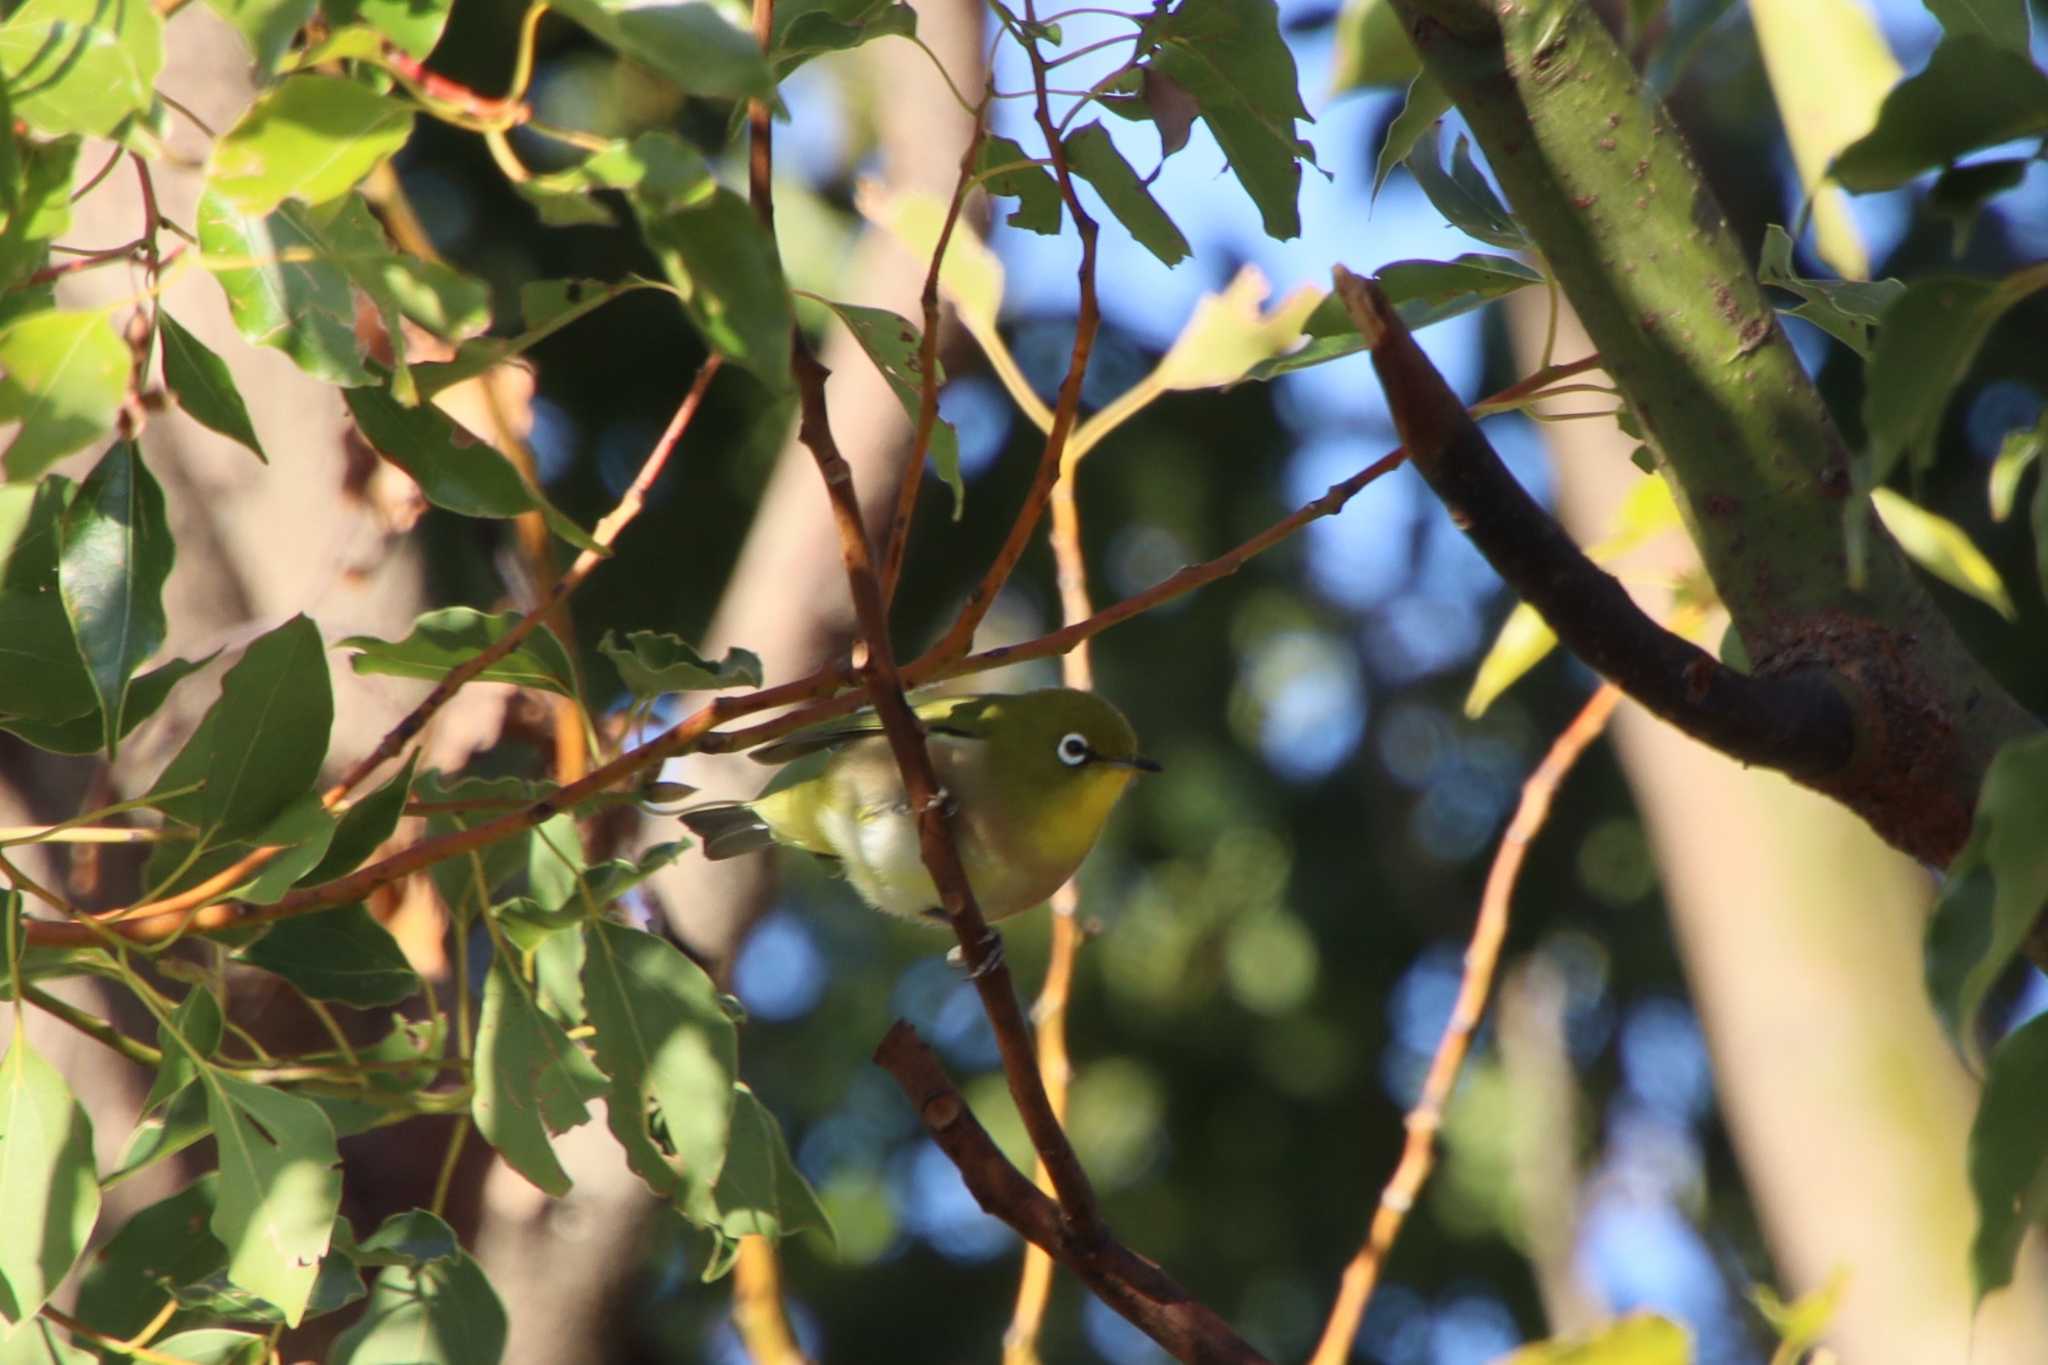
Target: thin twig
<point>1418,1153</point>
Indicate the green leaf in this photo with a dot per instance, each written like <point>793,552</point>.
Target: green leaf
<point>415,25</point>
<point>1638,1339</point>
<point>63,376</point>
<point>442,640</point>
<point>342,955</point>
<point>161,1246</point>
<point>1847,310</point>
<point>454,469</point>
<point>157,1136</point>
<point>82,734</point>
<point>2021,447</point>
<point>1372,48</point>
<point>725,270</point>
<point>442,1312</point>
<point>1229,55</point>
<point>671,1054</point>
<point>810,28</point>
<point>531,1080</point>
<point>80,66</point>
<point>1039,206</point>
<point>1462,195</point>
<point>1944,549</point>
<point>309,138</point>
<point>1995,889</point>
<point>49,1189</point>
<point>1801,1324</point>
<point>1426,102</point>
<point>37,203</point>
<point>2002,21</point>
<point>410,1237</point>
<point>268,26</point>
<point>40,1342</point>
<point>653,663</point>
<point>548,306</point>
<point>261,745</point>
<point>686,41</point>
<point>1525,639</point>
<point>279,1189</point>
<point>194,1029</point>
<point>1092,156</point>
<point>1961,192</point>
<point>204,386</point>
<point>2009,1154</point>
<point>1973,93</point>
<point>971,274</point>
<point>895,346</point>
<point>283,288</point>
<point>1422,292</point>
<point>1929,340</point>
<point>1231,335</point>
<point>116,554</point>
<point>42,676</point>
<point>336,1283</point>
<point>365,825</point>
<point>760,1191</point>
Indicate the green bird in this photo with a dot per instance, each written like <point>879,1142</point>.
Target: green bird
<point>1029,780</point>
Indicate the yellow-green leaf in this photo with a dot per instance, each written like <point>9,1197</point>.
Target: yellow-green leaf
<point>1639,1339</point>
<point>1525,637</point>
<point>1944,549</point>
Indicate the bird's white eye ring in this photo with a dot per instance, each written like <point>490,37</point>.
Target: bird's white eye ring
<point>1074,750</point>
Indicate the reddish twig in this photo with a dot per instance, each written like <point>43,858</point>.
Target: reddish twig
<point>1134,1287</point>
<point>499,112</point>
<point>1424,1120</point>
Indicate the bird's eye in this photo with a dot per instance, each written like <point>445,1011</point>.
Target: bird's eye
<point>1074,751</point>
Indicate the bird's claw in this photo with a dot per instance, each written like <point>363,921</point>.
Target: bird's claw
<point>991,956</point>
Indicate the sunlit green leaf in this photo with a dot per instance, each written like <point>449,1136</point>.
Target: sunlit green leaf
<point>896,348</point>
<point>1801,1324</point>
<point>1847,310</point>
<point>80,66</point>
<point>1639,1339</point>
<point>117,552</point>
<point>310,138</point>
<point>687,41</point>
<point>2009,1154</point>
<point>63,376</point>
<point>808,28</point>
<point>49,1189</point>
<point>1525,639</point>
<point>1944,549</point>
<point>442,640</point>
<point>204,386</point>
<point>1372,48</point>
<point>268,26</point>
<point>439,1313</point>
<point>414,25</point>
<point>279,1189</point>
<point>1232,334</point>
<point>725,268</point>
<point>2020,449</point>
<point>1974,92</point>
<point>652,662</point>
<point>531,1081</point>
<point>283,288</point>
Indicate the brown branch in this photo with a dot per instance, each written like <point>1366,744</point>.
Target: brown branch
<point>928,371</point>
<point>1796,722</point>
<point>1134,1287</point>
<point>959,637</point>
<point>1418,1154</point>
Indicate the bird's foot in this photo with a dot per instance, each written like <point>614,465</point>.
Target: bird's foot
<point>991,956</point>
<point>943,802</point>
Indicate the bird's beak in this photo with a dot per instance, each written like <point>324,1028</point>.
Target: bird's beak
<point>1138,762</point>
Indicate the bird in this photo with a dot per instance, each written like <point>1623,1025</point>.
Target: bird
<point>1029,779</point>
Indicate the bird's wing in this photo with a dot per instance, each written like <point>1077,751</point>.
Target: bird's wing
<point>957,717</point>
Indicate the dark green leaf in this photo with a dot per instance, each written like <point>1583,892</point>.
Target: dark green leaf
<point>365,825</point>
<point>1092,156</point>
<point>1929,340</point>
<point>454,469</point>
<point>2009,1154</point>
<point>895,347</point>
<point>809,28</point>
<point>157,1136</point>
<point>116,554</point>
<point>411,1237</point>
<point>440,1313</point>
<point>689,43</point>
<point>309,138</point>
<point>1229,55</point>
<point>1039,208</point>
<point>268,26</point>
<point>414,25</point>
<point>2002,21</point>
<point>80,66</point>
<point>1962,191</point>
<point>1845,309</point>
<point>725,268</point>
<point>63,376</point>
<point>760,1192</point>
<point>1372,48</point>
<point>652,663</point>
<point>49,1189</point>
<point>279,1190</point>
<point>531,1080</point>
<point>1425,103</point>
<point>204,386</point>
<point>1995,889</point>
<point>342,955</point>
<point>671,1054</point>
<point>38,206</point>
<point>1422,292</point>
<point>1462,195</point>
<point>261,745</point>
<point>442,640</point>
<point>81,734</point>
<point>283,288</point>
<point>1973,93</point>
<point>194,1029</point>
<point>336,1284</point>
<point>165,1244</point>
<point>547,306</point>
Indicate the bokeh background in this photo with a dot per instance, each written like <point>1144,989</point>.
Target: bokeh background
<point>1282,913</point>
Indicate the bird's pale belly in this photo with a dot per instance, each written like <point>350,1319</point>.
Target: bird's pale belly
<point>882,857</point>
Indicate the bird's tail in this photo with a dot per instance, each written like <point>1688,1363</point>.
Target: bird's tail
<point>728,828</point>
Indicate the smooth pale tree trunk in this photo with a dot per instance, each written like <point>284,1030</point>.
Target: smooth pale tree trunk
<point>562,1265</point>
<point>1801,937</point>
